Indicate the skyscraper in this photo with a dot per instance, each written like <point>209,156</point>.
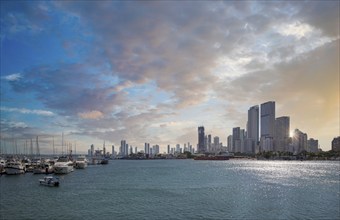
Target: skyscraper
<point>236,139</point>
<point>201,145</point>
<point>299,141</point>
<point>253,123</point>
<point>122,147</point>
<point>267,126</point>
<point>281,139</point>
<point>209,143</point>
<point>230,143</point>
<point>312,145</point>
<point>147,148</point>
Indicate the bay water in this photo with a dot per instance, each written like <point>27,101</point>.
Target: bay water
<point>179,189</point>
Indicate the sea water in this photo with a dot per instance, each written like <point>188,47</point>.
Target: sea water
<point>179,189</point>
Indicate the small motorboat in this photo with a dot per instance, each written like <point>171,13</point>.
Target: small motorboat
<point>49,181</point>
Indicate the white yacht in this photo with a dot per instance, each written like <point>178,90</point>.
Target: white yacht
<point>14,167</point>
<point>63,165</point>
<point>2,166</point>
<point>81,162</point>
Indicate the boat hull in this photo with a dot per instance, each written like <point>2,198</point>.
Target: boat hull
<point>63,169</point>
<point>80,165</point>
<point>14,170</point>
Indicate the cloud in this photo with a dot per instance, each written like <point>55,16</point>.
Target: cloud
<point>13,77</point>
<point>296,29</point>
<point>91,115</point>
<point>305,88</point>
<point>146,62</point>
<point>28,111</point>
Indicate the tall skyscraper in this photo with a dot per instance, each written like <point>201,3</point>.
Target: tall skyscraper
<point>267,126</point>
<point>147,148</point>
<point>209,143</point>
<point>230,143</point>
<point>281,139</point>
<point>253,125</point>
<point>113,150</point>
<point>168,149</point>
<point>92,149</point>
<point>268,119</point>
<point>216,145</point>
<point>122,147</point>
<point>201,145</point>
<point>236,139</point>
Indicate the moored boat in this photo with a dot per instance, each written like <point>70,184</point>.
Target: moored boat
<point>14,167</point>
<point>44,168</point>
<point>63,165</point>
<point>81,162</point>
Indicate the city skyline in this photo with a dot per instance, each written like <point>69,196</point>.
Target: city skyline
<point>155,71</point>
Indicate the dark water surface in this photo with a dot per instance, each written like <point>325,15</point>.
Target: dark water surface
<point>179,189</point>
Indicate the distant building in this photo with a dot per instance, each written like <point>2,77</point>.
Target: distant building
<point>267,125</point>
<point>168,149</point>
<point>236,138</point>
<point>230,143</point>
<point>282,127</point>
<point>147,148</point>
<point>113,150</point>
<point>122,147</point>
<point>155,149</point>
<point>312,145</point>
<point>253,125</point>
<point>201,146</point>
<point>92,150</point>
<point>242,139</point>
<point>209,143</point>
<point>249,146</point>
<point>216,145</point>
<point>126,150</point>
<point>299,140</point>
<point>336,144</point>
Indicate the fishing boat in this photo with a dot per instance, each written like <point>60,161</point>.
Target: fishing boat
<point>49,181</point>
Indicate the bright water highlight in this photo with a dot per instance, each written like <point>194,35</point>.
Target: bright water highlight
<point>179,189</point>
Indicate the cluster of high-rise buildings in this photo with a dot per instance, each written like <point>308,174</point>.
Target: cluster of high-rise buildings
<point>207,144</point>
<point>264,132</point>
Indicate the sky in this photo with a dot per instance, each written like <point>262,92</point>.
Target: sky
<point>153,71</point>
